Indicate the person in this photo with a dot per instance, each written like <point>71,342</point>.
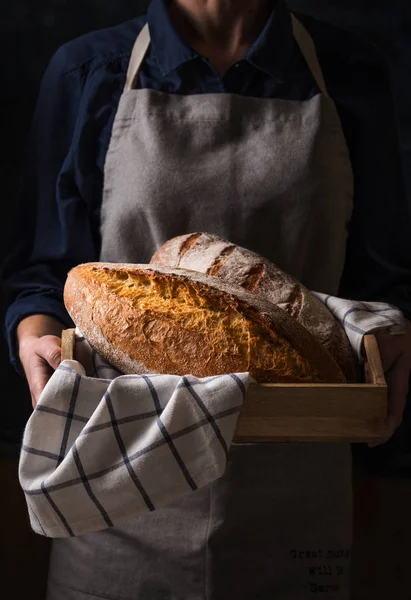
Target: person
<point>277,132</point>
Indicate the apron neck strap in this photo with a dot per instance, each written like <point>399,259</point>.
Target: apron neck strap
<point>137,56</point>
<point>306,45</point>
<point>301,36</point>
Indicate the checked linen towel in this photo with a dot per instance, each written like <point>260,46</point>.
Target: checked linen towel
<point>99,451</point>
<point>102,447</point>
<point>361,318</point>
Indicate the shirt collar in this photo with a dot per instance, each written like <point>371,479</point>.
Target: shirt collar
<point>271,52</point>
<point>168,45</point>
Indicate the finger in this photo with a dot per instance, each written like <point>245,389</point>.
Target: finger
<point>397,379</point>
<point>40,372</point>
<point>43,362</point>
<point>390,347</point>
<point>397,383</point>
<point>49,348</point>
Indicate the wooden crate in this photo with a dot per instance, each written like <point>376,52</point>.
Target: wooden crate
<point>310,412</point>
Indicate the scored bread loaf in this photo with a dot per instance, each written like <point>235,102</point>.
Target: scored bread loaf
<point>146,319</point>
<point>233,264</point>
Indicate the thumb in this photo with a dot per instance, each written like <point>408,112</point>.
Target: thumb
<point>51,350</point>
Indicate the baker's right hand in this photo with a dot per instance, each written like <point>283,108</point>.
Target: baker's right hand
<point>39,351</point>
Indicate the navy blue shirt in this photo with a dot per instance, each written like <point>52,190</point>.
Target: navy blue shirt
<point>62,185</point>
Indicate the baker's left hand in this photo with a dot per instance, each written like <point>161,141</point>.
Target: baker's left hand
<point>395,351</point>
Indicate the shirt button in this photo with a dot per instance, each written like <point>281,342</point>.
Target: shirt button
<point>237,65</point>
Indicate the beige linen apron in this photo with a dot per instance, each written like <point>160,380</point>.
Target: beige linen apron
<point>274,176</point>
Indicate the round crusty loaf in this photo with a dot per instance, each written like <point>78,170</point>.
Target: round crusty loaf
<point>142,318</point>
<point>233,264</point>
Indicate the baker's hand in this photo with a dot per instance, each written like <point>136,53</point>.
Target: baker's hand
<point>40,357</point>
<point>395,351</point>
<point>39,351</point>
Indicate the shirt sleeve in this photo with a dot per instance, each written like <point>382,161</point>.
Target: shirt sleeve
<point>378,258</point>
<point>53,227</point>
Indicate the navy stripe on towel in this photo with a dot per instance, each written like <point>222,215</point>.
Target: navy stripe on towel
<point>57,510</point>
<point>69,419</point>
<point>123,451</point>
<point>87,486</point>
<point>167,437</point>
<point>207,414</point>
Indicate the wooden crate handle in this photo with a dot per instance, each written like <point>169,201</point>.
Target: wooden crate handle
<point>68,340</point>
<point>374,371</point>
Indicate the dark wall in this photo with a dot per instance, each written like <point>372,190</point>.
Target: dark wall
<point>30,32</point>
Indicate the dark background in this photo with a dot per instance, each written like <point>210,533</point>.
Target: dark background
<point>31,31</point>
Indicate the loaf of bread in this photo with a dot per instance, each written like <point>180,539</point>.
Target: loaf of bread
<point>233,264</point>
<point>149,319</point>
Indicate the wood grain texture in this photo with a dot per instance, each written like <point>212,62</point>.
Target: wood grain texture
<point>319,413</point>
<point>316,413</point>
<point>374,371</point>
<point>67,344</point>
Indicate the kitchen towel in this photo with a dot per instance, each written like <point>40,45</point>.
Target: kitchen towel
<point>99,451</point>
